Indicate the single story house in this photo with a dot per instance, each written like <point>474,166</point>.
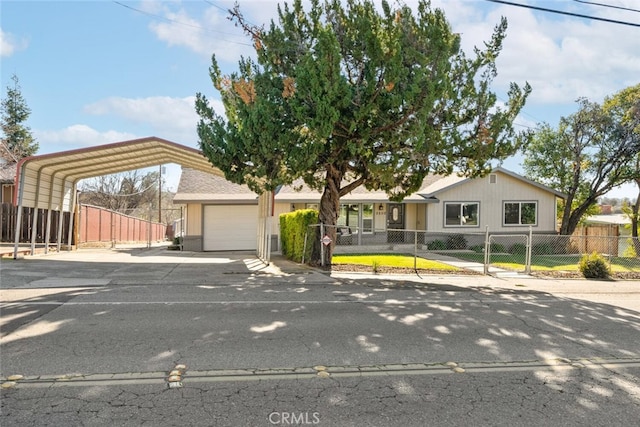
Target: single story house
<point>224,216</point>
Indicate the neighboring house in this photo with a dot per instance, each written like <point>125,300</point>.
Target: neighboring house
<point>224,216</point>
<point>7,178</point>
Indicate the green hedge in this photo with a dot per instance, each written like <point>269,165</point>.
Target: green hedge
<point>293,227</point>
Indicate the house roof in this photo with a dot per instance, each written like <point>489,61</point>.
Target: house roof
<point>7,172</point>
<point>288,193</point>
<point>46,181</point>
<point>614,219</point>
<point>197,187</point>
<point>446,183</point>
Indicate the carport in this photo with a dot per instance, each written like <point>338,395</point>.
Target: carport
<point>49,181</point>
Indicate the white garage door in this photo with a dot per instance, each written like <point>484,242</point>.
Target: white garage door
<point>230,228</point>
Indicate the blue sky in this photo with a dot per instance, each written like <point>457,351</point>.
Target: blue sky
<point>96,72</point>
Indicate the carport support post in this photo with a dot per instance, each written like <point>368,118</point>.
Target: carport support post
<point>19,216</point>
<point>47,234</point>
<point>61,216</point>
<point>72,212</point>
<point>34,229</point>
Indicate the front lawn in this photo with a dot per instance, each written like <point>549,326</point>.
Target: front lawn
<point>390,261</point>
<point>547,262</point>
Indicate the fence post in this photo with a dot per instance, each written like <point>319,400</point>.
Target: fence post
<point>486,250</point>
<point>321,244</point>
<point>304,249</point>
<point>415,250</point>
<point>149,227</point>
<point>527,267</point>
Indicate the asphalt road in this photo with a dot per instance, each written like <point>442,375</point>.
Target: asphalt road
<point>96,335</point>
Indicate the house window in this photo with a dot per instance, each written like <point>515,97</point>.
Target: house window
<point>311,206</point>
<point>461,214</point>
<point>493,178</point>
<point>356,216</point>
<point>367,218</point>
<point>520,213</point>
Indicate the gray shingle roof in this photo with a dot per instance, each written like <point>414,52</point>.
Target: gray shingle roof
<point>197,186</point>
<point>200,187</point>
<point>7,172</point>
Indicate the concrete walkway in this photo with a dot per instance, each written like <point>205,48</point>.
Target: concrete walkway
<point>473,266</point>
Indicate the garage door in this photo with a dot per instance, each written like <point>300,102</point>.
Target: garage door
<point>230,228</point>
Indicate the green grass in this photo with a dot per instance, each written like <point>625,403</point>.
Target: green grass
<point>548,262</point>
<point>390,260</point>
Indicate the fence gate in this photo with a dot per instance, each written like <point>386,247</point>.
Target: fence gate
<point>508,252</point>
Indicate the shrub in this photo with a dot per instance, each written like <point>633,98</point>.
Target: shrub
<point>477,248</point>
<point>436,245</point>
<point>594,266</point>
<point>542,249</point>
<point>293,227</point>
<point>175,245</point>
<point>456,241</point>
<point>497,248</point>
<point>518,249</point>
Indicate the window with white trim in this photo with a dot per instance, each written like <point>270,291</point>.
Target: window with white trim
<point>461,214</point>
<point>358,216</point>
<point>520,213</point>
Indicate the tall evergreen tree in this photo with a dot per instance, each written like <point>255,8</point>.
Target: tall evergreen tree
<point>17,140</point>
<point>347,94</point>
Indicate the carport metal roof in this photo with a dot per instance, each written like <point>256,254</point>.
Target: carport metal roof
<point>48,181</point>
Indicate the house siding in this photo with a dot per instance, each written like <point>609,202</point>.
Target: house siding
<point>491,198</point>
<point>192,241</point>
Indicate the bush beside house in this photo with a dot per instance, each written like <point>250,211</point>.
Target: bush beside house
<point>293,228</point>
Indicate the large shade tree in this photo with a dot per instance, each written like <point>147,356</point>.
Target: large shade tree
<point>590,152</point>
<point>345,94</point>
<point>624,106</point>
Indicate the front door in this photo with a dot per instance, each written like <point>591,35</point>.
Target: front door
<point>395,220</point>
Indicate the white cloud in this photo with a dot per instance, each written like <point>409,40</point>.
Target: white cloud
<point>210,33</point>
<point>562,57</point>
<point>167,117</point>
<point>9,44</point>
<point>78,135</point>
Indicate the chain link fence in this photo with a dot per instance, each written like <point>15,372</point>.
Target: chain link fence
<point>485,252</point>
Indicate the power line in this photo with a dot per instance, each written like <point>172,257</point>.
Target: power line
<point>577,15</point>
<point>608,5</point>
<point>185,24</point>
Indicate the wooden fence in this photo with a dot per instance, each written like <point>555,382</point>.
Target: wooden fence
<point>93,224</point>
<point>101,225</point>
